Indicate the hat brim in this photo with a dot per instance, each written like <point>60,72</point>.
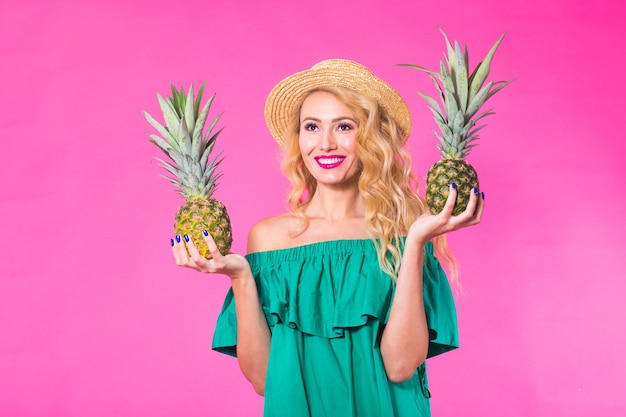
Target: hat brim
<point>286,97</point>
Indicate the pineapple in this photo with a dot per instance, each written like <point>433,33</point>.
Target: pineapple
<point>193,169</point>
<point>462,96</point>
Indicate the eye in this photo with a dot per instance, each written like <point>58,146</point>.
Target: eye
<point>311,127</point>
<point>344,127</point>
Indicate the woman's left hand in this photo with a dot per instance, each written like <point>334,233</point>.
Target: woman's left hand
<point>429,226</point>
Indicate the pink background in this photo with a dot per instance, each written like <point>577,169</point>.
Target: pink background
<point>95,318</point>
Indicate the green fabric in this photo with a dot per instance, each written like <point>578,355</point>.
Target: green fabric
<point>326,304</point>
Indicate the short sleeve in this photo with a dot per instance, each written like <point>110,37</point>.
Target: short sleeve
<point>439,307</point>
<point>225,336</point>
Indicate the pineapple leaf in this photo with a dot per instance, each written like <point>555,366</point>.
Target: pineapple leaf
<point>419,67</point>
<point>461,78</point>
<point>210,130</point>
<point>458,121</point>
<point>211,176</point>
<point>478,100</point>
<point>472,135</point>
<point>161,129</point>
<point>169,167</point>
<point>190,116</point>
<point>445,129</point>
<point>442,94</point>
<point>184,141</point>
<point>462,96</point>
<point>178,100</point>
<point>169,114</point>
<point>196,139</point>
<point>183,137</point>
<point>160,143</point>
<point>196,147</point>
<point>173,181</point>
<point>433,104</point>
<point>214,163</point>
<point>451,107</point>
<point>186,164</point>
<point>209,145</point>
<point>452,55</point>
<point>441,138</point>
<point>483,114</point>
<point>497,86</point>
<point>482,70</point>
<point>438,117</point>
<point>197,132</point>
<point>446,78</point>
<point>177,160</point>
<point>204,159</point>
<point>467,150</point>
<point>177,157</point>
<point>212,167</point>
<point>445,152</point>
<point>199,98</point>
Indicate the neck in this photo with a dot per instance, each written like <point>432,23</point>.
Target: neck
<point>335,203</point>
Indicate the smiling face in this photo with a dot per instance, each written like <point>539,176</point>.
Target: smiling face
<point>327,139</point>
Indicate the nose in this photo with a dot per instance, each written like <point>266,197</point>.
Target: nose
<point>328,142</point>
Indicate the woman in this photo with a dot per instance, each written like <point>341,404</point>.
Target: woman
<point>340,301</point>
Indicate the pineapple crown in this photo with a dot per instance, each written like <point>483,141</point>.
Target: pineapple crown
<point>183,141</point>
<point>462,96</point>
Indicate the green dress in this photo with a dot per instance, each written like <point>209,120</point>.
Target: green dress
<point>326,304</point>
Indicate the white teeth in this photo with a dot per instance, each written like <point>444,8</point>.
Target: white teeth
<point>328,161</point>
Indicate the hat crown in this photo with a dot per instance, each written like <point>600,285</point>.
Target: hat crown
<point>336,63</point>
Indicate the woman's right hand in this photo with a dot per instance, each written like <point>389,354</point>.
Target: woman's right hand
<point>186,254</point>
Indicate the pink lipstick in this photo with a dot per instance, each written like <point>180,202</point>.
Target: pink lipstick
<point>329,161</point>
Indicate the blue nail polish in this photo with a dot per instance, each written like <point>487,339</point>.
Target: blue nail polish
<point>172,242</point>
<point>204,232</point>
<point>483,195</point>
<point>475,190</point>
<point>186,238</point>
<point>178,238</point>
<point>453,185</point>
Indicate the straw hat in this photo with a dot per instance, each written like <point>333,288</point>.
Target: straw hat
<point>287,95</point>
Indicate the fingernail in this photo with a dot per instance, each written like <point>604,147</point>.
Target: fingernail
<point>178,238</point>
<point>453,185</point>
<point>475,190</point>
<point>186,238</point>
<point>204,232</point>
<point>483,195</point>
<point>172,242</point>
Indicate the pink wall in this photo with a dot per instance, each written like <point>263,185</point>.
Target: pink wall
<point>95,319</point>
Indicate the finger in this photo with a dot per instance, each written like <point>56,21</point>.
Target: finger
<point>213,249</point>
<point>471,215</point>
<point>450,202</point>
<point>481,208</point>
<point>195,258</point>
<point>472,203</point>
<point>179,251</point>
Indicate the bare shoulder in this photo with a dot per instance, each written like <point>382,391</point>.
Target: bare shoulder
<point>271,233</point>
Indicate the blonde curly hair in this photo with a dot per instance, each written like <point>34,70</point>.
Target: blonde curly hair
<point>386,181</point>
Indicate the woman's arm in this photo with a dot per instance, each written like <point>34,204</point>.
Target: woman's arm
<point>404,342</point>
<point>253,335</point>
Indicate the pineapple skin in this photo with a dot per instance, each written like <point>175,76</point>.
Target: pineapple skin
<point>197,215</point>
<point>441,175</point>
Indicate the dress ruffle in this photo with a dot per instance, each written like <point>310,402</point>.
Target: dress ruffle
<point>322,289</point>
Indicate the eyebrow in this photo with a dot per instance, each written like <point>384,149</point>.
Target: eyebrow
<point>337,119</point>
